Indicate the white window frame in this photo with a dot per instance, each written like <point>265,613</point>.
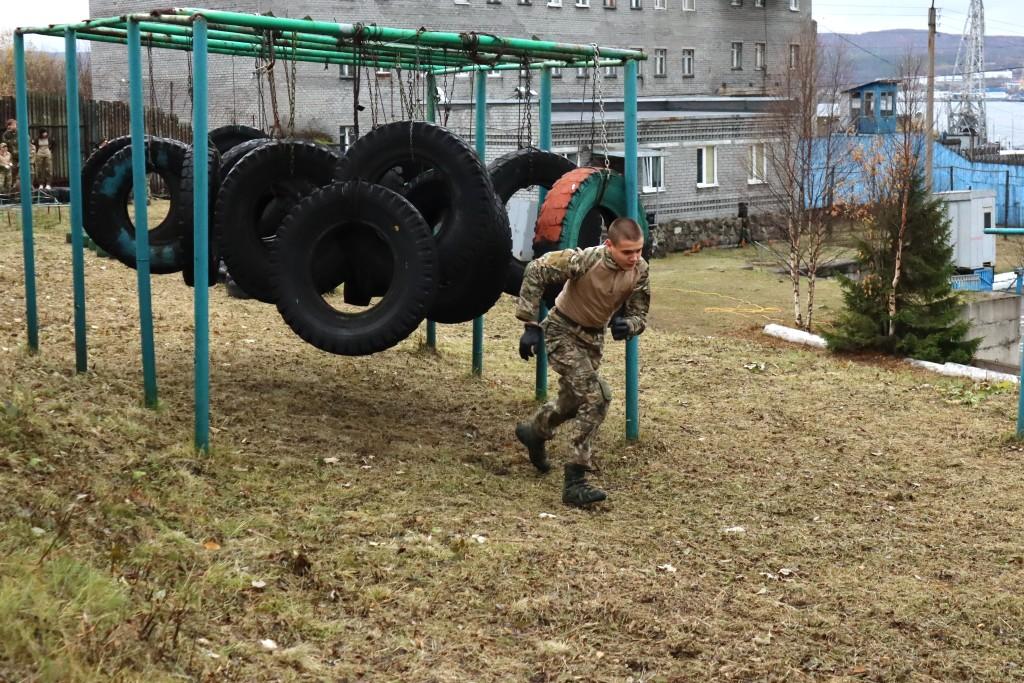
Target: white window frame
<point>758,3</point>
<point>736,3</point>
<point>610,72</point>
<point>794,56</point>
<point>648,175</point>
<point>660,4</point>
<point>758,160</point>
<point>794,5</point>
<point>554,3</point>
<point>345,71</point>
<point>583,72</point>
<point>346,137</point>
<point>636,4</point>
<point>689,56</point>
<point>660,62</point>
<point>583,4</point>
<point>736,55</point>
<point>461,2</point>
<point>639,64</point>
<point>702,166</point>
<point>760,56</point>
<point>556,72</point>
<point>610,4</point>
<point>689,5</point>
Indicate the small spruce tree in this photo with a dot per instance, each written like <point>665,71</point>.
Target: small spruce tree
<point>927,309</point>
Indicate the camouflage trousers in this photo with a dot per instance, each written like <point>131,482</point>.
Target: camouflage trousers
<point>575,354</point>
<point>44,169</point>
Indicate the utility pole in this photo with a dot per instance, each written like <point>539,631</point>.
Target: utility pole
<point>929,130</point>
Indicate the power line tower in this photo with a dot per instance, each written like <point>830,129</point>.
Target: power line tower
<point>967,105</point>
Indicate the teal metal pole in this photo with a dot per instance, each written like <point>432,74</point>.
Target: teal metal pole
<point>25,190</point>
<point>75,178</point>
<point>201,235</point>
<point>141,219</point>
<point>432,118</point>
<point>633,211</point>
<point>541,376</point>
<point>480,137</point>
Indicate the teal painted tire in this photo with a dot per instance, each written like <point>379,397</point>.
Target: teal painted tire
<point>607,191</point>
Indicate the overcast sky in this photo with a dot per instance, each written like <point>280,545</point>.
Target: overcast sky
<point>1002,17</point>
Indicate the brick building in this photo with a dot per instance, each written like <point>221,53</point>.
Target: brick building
<point>706,88</point>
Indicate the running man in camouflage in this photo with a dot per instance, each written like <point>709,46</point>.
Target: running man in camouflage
<point>604,284</point>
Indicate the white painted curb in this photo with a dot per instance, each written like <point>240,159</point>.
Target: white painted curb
<point>948,369</point>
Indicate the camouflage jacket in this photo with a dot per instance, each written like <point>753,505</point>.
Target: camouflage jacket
<point>557,267</point>
<point>10,137</point>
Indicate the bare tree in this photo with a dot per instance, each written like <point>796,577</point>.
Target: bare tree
<point>809,167</point>
<point>44,71</point>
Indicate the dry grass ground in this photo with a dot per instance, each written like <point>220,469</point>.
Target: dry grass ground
<point>786,516</point>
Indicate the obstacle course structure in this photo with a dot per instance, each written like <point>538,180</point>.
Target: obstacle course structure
<point>202,32</point>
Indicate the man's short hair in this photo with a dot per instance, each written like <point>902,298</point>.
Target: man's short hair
<point>624,229</point>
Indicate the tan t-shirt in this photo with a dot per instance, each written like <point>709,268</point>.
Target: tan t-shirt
<point>592,300</point>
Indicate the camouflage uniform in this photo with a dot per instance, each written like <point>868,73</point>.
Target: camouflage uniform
<point>44,162</point>
<point>10,138</point>
<point>575,351</point>
<point>6,170</point>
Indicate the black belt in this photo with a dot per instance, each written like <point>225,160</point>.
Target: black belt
<point>588,330</point>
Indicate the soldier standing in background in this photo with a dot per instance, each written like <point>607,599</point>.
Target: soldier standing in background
<point>44,160</point>
<point>10,138</point>
<point>599,282</point>
<point>6,168</point>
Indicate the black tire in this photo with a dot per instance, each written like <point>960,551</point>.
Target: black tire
<point>187,217</point>
<point>91,169</point>
<point>473,240</point>
<point>109,225</point>
<point>256,196</point>
<point>521,170</point>
<point>332,215</point>
<point>226,137</point>
<point>231,157</point>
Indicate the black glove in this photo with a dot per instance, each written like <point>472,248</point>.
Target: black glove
<point>620,328</point>
<point>530,342</point>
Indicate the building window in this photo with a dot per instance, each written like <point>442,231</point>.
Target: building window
<point>758,164</point>
<point>987,224</point>
<point>639,64</point>
<point>688,63</point>
<point>554,3</point>
<point>494,74</point>
<point>759,50</point>
<point>794,56</point>
<point>581,72</point>
<point>707,166</point>
<point>383,73</point>
<point>736,3</point>
<point>583,3</point>
<point>636,4</point>
<point>794,5</point>
<point>611,72</point>
<point>887,102</point>
<point>609,4</point>
<point>344,71</point>
<point>689,5</point>
<point>493,2</point>
<point>660,57</point>
<point>652,174</point>
<point>556,72</point>
<point>525,2</point>
<point>855,105</point>
<point>737,55</point>
<point>461,2</point>
<point>660,4</point>
<point>758,3</point>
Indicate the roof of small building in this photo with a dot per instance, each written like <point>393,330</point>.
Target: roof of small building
<point>877,81</point>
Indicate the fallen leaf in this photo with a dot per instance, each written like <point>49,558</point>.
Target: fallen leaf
<point>211,544</point>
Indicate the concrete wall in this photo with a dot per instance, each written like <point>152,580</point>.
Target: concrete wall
<point>996,318</point>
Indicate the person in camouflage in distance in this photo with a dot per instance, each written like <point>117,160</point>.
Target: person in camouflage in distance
<point>604,284</point>
<point>10,138</point>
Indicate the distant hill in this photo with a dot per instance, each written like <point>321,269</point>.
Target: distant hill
<point>887,48</point>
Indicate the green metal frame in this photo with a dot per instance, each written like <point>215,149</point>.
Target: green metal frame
<point>204,32</point>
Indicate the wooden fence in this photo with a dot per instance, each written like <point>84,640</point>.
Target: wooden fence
<point>99,121</point>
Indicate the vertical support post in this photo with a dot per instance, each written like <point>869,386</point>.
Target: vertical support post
<point>951,188</point>
<point>930,126</point>
<point>75,179</point>
<point>140,189</point>
<point>1006,201</point>
<point>201,234</point>
<point>25,192</point>
<point>432,118</point>
<point>541,377</point>
<point>633,211</point>
<point>480,136</point>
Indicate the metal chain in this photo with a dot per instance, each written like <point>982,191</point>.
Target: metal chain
<point>599,89</point>
<point>291,88</point>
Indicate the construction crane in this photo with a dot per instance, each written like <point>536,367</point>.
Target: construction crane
<point>967,103</point>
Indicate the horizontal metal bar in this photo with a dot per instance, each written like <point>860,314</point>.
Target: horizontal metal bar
<point>1004,231</point>
<point>556,64</point>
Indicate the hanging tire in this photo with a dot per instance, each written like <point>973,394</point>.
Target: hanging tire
<point>473,238</point>
<point>521,170</point>
<point>333,216</point>
<point>226,137</point>
<point>187,216</point>
<point>231,157</point>
<point>109,225</point>
<point>567,217</point>
<point>254,199</point>
<point>91,169</point>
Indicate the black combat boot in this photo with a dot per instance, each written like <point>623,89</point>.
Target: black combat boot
<point>534,442</point>
<point>578,492</point>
